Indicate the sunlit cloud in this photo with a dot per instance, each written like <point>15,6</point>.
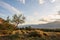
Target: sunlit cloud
<point>10,8</point>
<point>34,19</point>
<point>41,1</point>
<point>50,18</point>
<point>52,1</point>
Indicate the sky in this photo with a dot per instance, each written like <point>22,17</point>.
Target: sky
<point>35,11</point>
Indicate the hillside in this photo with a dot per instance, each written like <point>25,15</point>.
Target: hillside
<point>55,24</point>
<point>4,25</point>
<point>31,35</point>
<point>10,32</point>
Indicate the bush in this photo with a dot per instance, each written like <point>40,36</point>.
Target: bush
<point>45,34</point>
<point>34,34</point>
<point>7,26</point>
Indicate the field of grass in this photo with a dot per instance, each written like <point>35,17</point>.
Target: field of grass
<point>11,32</point>
<point>36,34</point>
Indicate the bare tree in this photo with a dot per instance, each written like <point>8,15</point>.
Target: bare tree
<point>18,19</point>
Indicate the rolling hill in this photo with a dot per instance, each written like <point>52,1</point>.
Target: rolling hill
<point>55,24</point>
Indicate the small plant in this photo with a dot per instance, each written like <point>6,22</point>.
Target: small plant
<point>34,34</point>
<point>28,28</point>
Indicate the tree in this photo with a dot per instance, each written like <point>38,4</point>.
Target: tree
<point>8,19</point>
<point>18,19</point>
<point>28,28</point>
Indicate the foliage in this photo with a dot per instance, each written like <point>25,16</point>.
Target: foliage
<point>28,28</point>
<point>50,30</point>
<point>8,20</point>
<point>18,19</point>
<point>6,26</point>
<point>34,34</point>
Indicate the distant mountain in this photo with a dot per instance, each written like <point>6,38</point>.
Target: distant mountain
<point>55,24</point>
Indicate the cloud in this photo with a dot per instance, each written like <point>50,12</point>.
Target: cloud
<point>36,13</point>
<point>22,1</point>
<point>34,19</point>
<point>52,1</point>
<point>51,18</point>
<point>41,1</point>
<point>10,8</point>
<point>35,16</point>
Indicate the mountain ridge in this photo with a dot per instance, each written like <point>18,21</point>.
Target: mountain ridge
<point>55,24</point>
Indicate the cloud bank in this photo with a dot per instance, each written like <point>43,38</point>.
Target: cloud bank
<point>51,18</point>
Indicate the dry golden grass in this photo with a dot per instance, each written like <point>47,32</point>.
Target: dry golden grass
<point>27,31</point>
